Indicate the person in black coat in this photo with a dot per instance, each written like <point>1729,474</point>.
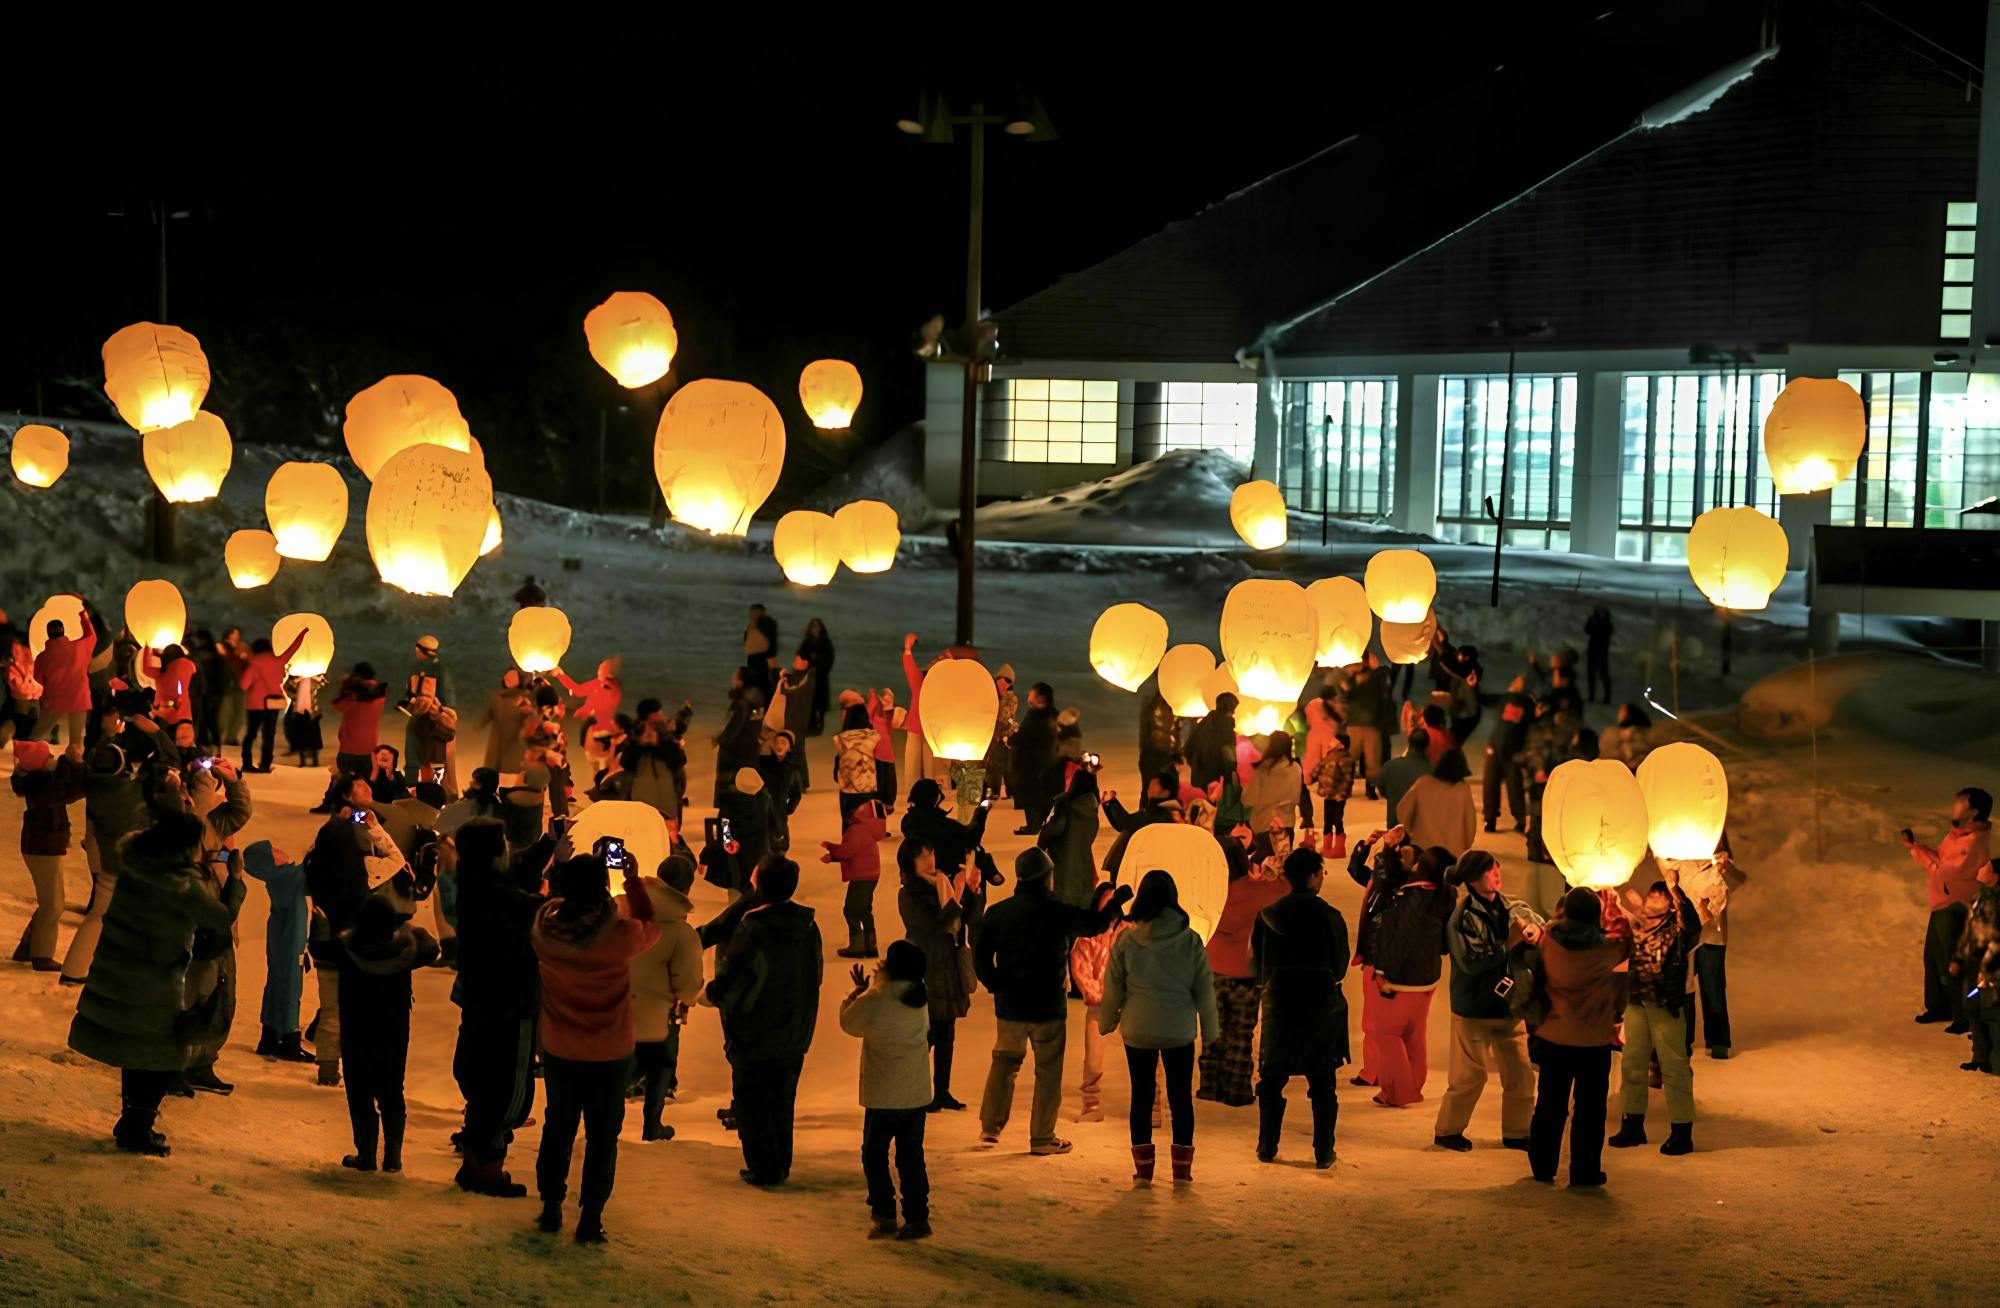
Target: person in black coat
<point>1067,835</point>
<point>1299,948</point>
<point>816,648</point>
<point>1160,803</point>
<point>767,988</point>
<point>1022,956</point>
<point>942,900</point>
<point>1159,736</point>
<point>379,952</point>
<point>1211,746</point>
<point>742,736</point>
<point>1034,750</point>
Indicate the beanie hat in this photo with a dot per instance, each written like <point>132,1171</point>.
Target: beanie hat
<point>428,644</point>
<point>1581,905</point>
<point>748,781</point>
<point>31,755</point>
<point>1032,864</point>
<point>677,871</point>
<point>1006,672</point>
<point>1474,864</point>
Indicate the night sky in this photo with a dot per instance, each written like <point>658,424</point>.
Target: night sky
<point>396,204</point>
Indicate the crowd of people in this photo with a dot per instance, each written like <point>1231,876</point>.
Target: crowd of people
<point>576,967</point>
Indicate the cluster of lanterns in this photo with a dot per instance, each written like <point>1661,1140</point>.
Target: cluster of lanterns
<point>811,546</point>
<point>1598,818</point>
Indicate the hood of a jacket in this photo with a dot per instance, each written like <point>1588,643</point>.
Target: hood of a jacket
<point>258,859</point>
<point>1162,930</point>
<point>789,919</point>
<point>669,904</point>
<point>575,935</point>
<point>1576,935</point>
<point>384,956</point>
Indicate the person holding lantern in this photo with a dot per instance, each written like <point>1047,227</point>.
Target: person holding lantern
<point>63,669</point>
<point>1665,928</point>
<point>942,900</point>
<point>1299,946</point>
<point>816,648</point>
<point>1954,869</point>
<point>1226,1062</point>
<point>263,683</point>
<point>1410,901</point>
<point>1572,1012</point>
<point>1479,934</point>
<point>426,695</point>
<point>1032,752</point>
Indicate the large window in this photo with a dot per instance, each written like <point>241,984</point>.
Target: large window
<point>1039,420</point>
<point>1538,450</point>
<point>1337,446</point>
<point>1690,442</point>
<point>1961,463</point>
<point>1197,416</point>
<point>1883,492</point>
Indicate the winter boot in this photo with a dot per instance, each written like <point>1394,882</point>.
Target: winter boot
<point>657,1131</point>
<point>1455,1142</point>
<point>1680,1139</point>
<point>289,1050</point>
<point>1323,1140</point>
<point>550,1219</point>
<point>1630,1134</point>
<point>882,1228</point>
<point>915,1229</point>
<point>1183,1164</point>
<point>267,1043</point>
<point>1270,1120</point>
<point>857,943</point>
<point>590,1229</point>
<point>21,950</point>
<point>1339,847</point>
<point>868,944</point>
<point>392,1148</point>
<point>1142,1164</point>
<point>360,1162</point>
<point>204,1079</point>
<point>329,1072</point>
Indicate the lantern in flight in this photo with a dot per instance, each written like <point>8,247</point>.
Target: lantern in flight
<point>427,515</point>
<point>959,704</point>
<point>251,557</point>
<point>1401,585</point>
<point>830,389</point>
<point>1687,800</point>
<point>40,454</point>
<point>315,653</point>
<point>807,546</point>
<point>1270,638</point>
<point>398,412</point>
<point>632,337</point>
<point>156,375</point>
<point>188,461</point>
<point>489,540</point>
<point>1257,511</point>
<point>1345,622</point>
<point>1737,557</point>
<point>538,637</point>
<point>1182,671</point>
<point>1409,642</point>
<point>717,454</point>
<point>1126,644</point>
<point>869,535</point>
<point>1194,858</point>
<point>66,609</point>
<point>1594,822</point>
<point>306,505</point>
<point>155,614</point>
<point>1814,434</point>
<point>639,826</point>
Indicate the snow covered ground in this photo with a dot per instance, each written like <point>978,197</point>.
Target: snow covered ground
<point>1842,1157</point>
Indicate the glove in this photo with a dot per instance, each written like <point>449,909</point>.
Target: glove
<point>1121,896</point>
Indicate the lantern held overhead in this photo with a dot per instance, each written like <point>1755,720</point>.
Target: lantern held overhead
<point>40,454</point>
<point>1183,669</point>
<point>958,704</point>
<point>315,653</point>
<point>251,557</point>
<point>830,389</point>
<point>807,546</point>
<point>1257,511</point>
<point>1401,585</point>
<point>869,535</point>
<point>156,375</point>
<point>1409,642</point>
<point>427,515</point>
<point>1260,717</point>
<point>398,412</point>
<point>1814,434</point>
<point>1594,822</point>
<point>1687,800</point>
<point>632,337</point>
<point>1126,644</point>
<point>639,825</point>
<point>155,613</point>
<point>1737,557</point>
<point>538,637</point>
<point>66,609</point>
<point>306,505</point>
<point>1270,638</point>
<point>1345,622</point>
<point>188,461</point>
<point>717,454</point>
<point>1193,856</point>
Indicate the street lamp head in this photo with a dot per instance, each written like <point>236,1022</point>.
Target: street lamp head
<point>1031,121</point>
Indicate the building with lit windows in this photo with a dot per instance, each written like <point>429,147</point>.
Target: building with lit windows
<point>1601,343</point>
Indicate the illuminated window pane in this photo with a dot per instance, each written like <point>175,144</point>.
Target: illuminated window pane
<point>1959,241</point>
<point>1065,390</point>
<point>1957,297</point>
<point>1043,420</point>
<point>1958,270</point>
<point>1961,213</point>
<point>1955,326</point>
<point>1533,434</point>
<point>1689,442</point>
<point>1028,389</point>
<point>1337,445</point>
<point>1101,390</point>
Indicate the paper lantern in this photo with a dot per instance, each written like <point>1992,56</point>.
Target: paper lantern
<point>1401,585</point>
<point>155,614</point>
<point>831,391</point>
<point>632,337</point>
<point>1594,822</point>
<point>427,515</point>
<point>1189,854</point>
<point>1126,644</point>
<point>1183,669</point>
<point>806,545</point>
<point>1409,642</point>
<point>717,454</point>
<point>306,505</point>
<point>188,461</point>
<point>1261,717</point>
<point>251,557</point>
<point>315,653</point>
<point>1737,557</point>
<point>490,540</point>
<point>640,826</point>
<point>66,609</point>
<point>959,704</point>
<point>398,412</point>
<point>1814,434</point>
<point>869,535</point>
<point>1257,511</point>
<point>40,454</point>
<point>1270,638</point>
<point>538,637</point>
<point>1217,684</point>
<point>156,375</point>
<point>1687,800</point>
<point>1345,622</point>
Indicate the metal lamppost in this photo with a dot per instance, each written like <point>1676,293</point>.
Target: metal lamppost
<point>1514,333</point>
<point>161,535</point>
<point>937,125</point>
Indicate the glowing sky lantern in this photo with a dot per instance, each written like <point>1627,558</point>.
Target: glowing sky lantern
<point>489,540</point>
<point>251,557</point>
<point>1408,642</point>
<point>156,375</point>
<point>1270,638</point>
<point>830,389</point>
<point>427,514</point>
<point>1257,511</point>
<point>398,412</point>
<point>1687,800</point>
<point>315,653</point>
<point>1401,585</point>
<point>1594,822</point>
<point>538,637</point>
<point>188,461</point>
<point>66,609</point>
<point>155,613</point>
<point>640,826</point>
<point>1814,434</point>
<point>1737,557</point>
<point>1126,644</point>
<point>306,505</point>
<point>717,454</point>
<point>1345,622</point>
<point>1192,857</point>
<point>1183,669</point>
<point>960,705</point>
<point>1216,684</point>
<point>40,454</point>
<point>869,535</point>
<point>1261,717</point>
<point>807,546</point>
<point>632,337</point>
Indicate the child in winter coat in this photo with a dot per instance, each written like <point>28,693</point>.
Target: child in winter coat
<point>665,980</point>
<point>1333,782</point>
<point>284,946</point>
<point>854,759</point>
<point>882,714</point>
<point>860,859</point>
<point>890,1011</point>
<point>378,953</point>
<point>1088,958</point>
<point>303,738</point>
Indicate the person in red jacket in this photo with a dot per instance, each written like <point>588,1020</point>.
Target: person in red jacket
<point>585,946</point>
<point>63,668</point>
<point>860,858</point>
<point>48,783</point>
<point>1226,1064</point>
<point>360,704</point>
<point>1953,872</point>
<point>263,683</point>
<point>602,696</point>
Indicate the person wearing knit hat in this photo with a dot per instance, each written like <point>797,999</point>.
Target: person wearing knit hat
<point>748,781</point>
<point>48,783</point>
<point>665,980</point>
<point>1483,1025</point>
<point>1575,989</point>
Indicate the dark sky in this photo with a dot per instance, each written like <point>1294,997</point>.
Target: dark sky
<point>425,203</point>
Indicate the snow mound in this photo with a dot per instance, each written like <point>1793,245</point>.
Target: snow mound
<point>1908,697</point>
<point>892,472</point>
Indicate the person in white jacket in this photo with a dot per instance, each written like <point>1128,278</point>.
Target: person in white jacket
<point>890,1011</point>
<point>665,980</point>
<point>1159,994</point>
